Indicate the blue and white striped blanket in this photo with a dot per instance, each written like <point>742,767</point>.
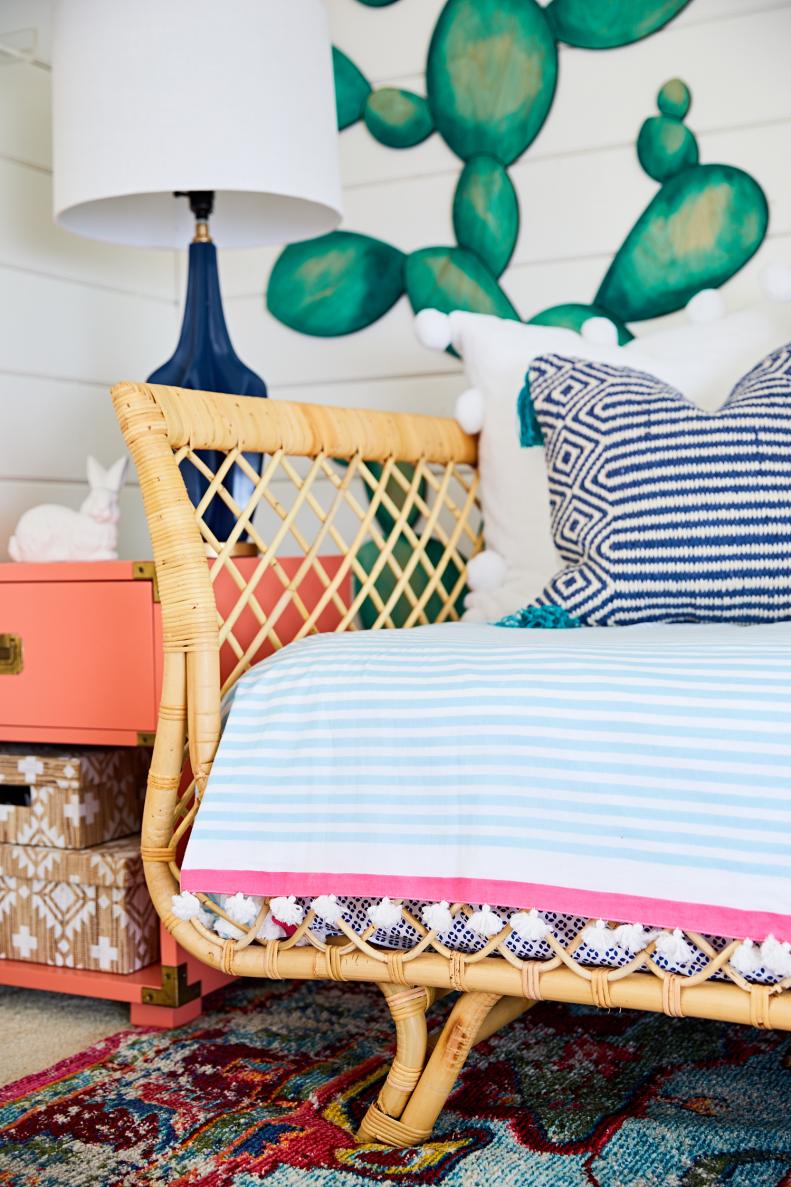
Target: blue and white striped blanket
<point>638,774</point>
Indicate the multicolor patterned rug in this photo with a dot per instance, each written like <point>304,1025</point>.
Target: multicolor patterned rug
<point>271,1083</point>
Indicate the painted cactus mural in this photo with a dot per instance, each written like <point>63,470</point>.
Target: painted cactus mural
<point>486,212</point>
<point>336,284</point>
<point>702,226</point>
<point>399,119</point>
<point>602,24</point>
<point>491,76</point>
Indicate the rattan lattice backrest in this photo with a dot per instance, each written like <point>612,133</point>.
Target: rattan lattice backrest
<point>376,513</point>
<point>402,537</point>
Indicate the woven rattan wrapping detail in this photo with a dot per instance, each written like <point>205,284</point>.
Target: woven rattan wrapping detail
<point>531,980</point>
<point>378,1127</point>
<point>404,1005</point>
<point>671,996</point>
<point>403,1078</point>
<point>152,853</point>
<point>395,969</point>
<point>456,971</point>
<point>228,950</point>
<point>759,1005</point>
<point>335,968</point>
<point>600,986</point>
<point>270,968</point>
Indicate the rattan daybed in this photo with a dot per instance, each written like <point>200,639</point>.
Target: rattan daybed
<point>164,427</point>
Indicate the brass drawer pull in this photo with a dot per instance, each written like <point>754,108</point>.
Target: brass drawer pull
<point>11,662</point>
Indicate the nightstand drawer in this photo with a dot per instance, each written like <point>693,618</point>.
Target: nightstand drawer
<point>80,643</point>
<point>79,653</point>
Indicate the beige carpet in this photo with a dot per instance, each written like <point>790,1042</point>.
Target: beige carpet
<point>38,1029</point>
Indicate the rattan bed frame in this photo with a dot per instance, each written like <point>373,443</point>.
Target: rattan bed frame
<point>436,477</point>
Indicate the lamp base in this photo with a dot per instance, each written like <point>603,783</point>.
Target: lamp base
<point>205,360</point>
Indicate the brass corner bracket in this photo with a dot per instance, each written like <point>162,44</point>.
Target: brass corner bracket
<point>174,990</point>
<point>146,571</point>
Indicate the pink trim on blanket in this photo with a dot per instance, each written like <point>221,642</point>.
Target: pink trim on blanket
<point>623,908</point>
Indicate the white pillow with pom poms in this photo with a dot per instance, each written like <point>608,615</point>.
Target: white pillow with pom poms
<point>705,352</point>
<point>520,557</point>
<point>701,352</point>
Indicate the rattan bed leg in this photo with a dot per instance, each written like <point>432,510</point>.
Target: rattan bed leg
<point>407,1007</point>
<point>465,1022</point>
<point>503,1012</point>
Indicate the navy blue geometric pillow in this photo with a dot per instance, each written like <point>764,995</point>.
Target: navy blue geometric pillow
<point>664,512</point>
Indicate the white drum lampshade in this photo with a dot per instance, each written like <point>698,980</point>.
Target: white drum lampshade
<point>156,96</point>
<point>229,104</point>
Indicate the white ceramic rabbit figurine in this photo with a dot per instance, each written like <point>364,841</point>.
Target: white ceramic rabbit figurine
<point>54,533</point>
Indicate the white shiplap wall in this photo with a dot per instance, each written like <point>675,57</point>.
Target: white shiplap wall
<point>78,315</point>
<point>75,315</point>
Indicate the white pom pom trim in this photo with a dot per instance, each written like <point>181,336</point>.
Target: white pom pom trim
<point>633,937</point>
<point>675,948</point>
<point>228,931</point>
<point>746,958</point>
<point>706,306</point>
<point>485,922</point>
<point>185,905</point>
<point>241,908</point>
<point>270,929</point>
<point>529,925</point>
<point>287,910</point>
<point>433,329</point>
<point>598,938</point>
<point>487,570</point>
<point>776,957</point>
<point>327,908</point>
<point>600,331</point>
<point>385,914</point>
<point>776,281</point>
<point>470,410</point>
<point>437,916</point>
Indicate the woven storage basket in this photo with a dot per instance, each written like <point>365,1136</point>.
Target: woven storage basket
<point>78,908</point>
<point>70,798</point>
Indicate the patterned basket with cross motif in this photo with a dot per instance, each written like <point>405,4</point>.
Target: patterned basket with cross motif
<point>70,798</point>
<point>77,908</point>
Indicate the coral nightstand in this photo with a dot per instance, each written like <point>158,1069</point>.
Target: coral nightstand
<point>80,664</point>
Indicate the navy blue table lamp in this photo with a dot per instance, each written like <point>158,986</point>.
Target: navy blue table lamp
<point>205,360</point>
<point>231,107</point>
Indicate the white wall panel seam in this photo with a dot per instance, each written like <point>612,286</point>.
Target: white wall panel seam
<point>170,302</point>
<point>535,157</point>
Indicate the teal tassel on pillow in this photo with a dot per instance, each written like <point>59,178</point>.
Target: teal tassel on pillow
<point>540,618</point>
<point>527,425</point>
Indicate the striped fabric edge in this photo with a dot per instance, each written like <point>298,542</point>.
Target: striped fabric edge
<point>709,919</point>
<point>741,668</point>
